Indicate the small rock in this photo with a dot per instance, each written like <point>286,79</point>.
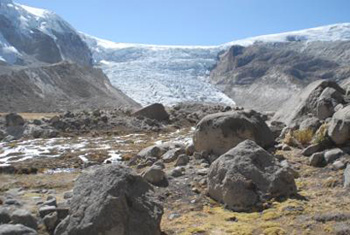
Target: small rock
<point>311,149</point>
<point>160,164</point>
<point>45,210</point>
<point>347,176</point>
<point>172,155</point>
<point>68,195</point>
<point>205,165</point>
<point>4,216</point>
<point>16,229</point>
<point>333,154</point>
<point>24,217</point>
<point>203,172</point>
<point>51,221</point>
<point>182,160</point>
<point>317,160</point>
<point>203,182</point>
<point>286,148</point>
<point>174,216</point>
<point>176,172</point>
<point>339,165</point>
<point>11,201</point>
<point>155,175</point>
<point>197,155</point>
<point>51,202</point>
<point>190,150</point>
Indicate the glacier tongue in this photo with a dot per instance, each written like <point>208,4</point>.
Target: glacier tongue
<point>163,74</point>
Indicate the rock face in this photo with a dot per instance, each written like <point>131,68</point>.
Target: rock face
<point>246,176</point>
<point>264,75</point>
<point>59,87</point>
<point>318,98</point>
<point>111,200</point>
<point>153,111</point>
<point>339,127</point>
<point>30,35</point>
<point>217,133</point>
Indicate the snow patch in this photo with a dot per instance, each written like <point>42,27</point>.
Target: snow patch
<point>35,11</point>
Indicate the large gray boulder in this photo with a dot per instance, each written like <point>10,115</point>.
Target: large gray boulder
<point>13,119</point>
<point>21,216</point>
<point>154,111</point>
<point>339,127</point>
<point>319,99</point>
<point>14,125</point>
<point>16,229</point>
<point>218,133</point>
<point>246,176</point>
<point>111,199</point>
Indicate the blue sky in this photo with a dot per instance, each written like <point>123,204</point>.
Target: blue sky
<point>193,22</point>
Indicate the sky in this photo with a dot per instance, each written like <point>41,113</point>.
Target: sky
<point>193,22</point>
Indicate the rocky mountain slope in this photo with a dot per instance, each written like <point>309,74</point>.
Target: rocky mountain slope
<point>264,75</point>
<point>29,35</point>
<point>57,87</point>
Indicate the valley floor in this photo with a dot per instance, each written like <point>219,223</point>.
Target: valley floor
<point>322,206</point>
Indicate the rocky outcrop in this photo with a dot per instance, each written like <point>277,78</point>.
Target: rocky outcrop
<point>339,127</point>
<point>318,99</point>
<point>218,133</point>
<point>246,176</point>
<point>111,200</point>
<point>58,87</point>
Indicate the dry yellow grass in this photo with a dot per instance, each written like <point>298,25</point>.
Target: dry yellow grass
<point>299,137</point>
<point>321,195</point>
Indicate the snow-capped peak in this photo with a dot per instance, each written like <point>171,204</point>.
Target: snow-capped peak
<point>35,11</point>
<point>334,32</point>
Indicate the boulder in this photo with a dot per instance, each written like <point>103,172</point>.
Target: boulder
<point>2,135</point>
<point>155,151</point>
<point>318,160</point>
<point>34,131</point>
<point>339,127</point>
<point>311,123</point>
<point>311,149</point>
<point>218,133</point>
<point>172,155</point>
<point>51,221</point>
<point>21,216</point>
<point>333,154</point>
<point>154,111</point>
<point>246,176</point>
<point>112,199</point>
<point>16,229</point>
<point>4,216</point>
<point>314,99</point>
<point>13,119</point>
<point>155,175</point>
<point>182,160</point>
<point>14,125</point>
